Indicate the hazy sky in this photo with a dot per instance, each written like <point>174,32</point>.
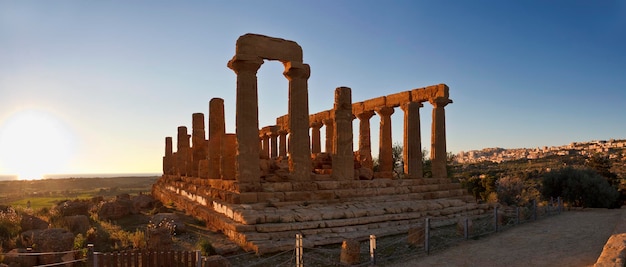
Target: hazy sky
<point>90,86</point>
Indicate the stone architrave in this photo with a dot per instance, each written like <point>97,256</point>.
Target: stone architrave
<point>385,155</point>
<point>217,130</point>
<point>229,157</point>
<point>330,131</point>
<point>182,151</point>
<point>167,159</point>
<point>343,157</point>
<point>247,117</point>
<point>438,154</point>
<point>412,154</point>
<point>315,137</point>
<point>199,149</point>
<point>365,144</point>
<point>299,147</point>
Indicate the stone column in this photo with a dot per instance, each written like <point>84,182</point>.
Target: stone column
<point>247,118</point>
<point>282,134</point>
<point>274,142</point>
<point>385,155</point>
<point>229,157</point>
<point>315,137</point>
<point>343,157</point>
<point>199,150</point>
<point>182,151</point>
<point>217,130</point>
<point>412,154</point>
<point>299,147</point>
<point>438,154</point>
<point>330,131</point>
<point>365,144</point>
<point>167,159</point>
<point>265,141</point>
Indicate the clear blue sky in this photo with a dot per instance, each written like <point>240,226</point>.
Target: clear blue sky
<point>109,80</point>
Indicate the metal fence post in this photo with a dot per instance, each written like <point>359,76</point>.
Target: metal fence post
<point>198,258</point>
<point>95,259</point>
<point>495,218</point>
<point>534,209</point>
<point>299,262</point>
<point>466,230</point>
<point>373,249</point>
<point>427,236</point>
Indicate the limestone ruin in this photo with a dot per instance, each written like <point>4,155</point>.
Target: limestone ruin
<point>262,185</point>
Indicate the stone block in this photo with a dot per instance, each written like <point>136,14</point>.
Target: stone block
<point>395,100</point>
<point>248,198</point>
<point>373,103</point>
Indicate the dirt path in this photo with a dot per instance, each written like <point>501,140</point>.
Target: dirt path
<point>573,238</point>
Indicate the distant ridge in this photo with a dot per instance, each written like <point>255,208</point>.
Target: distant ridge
<point>84,175</point>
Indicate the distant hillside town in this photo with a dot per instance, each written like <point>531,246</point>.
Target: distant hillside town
<point>614,148</point>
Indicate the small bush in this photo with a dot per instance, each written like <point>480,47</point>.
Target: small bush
<point>580,188</point>
<point>205,247</point>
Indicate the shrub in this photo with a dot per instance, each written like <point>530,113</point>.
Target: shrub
<point>580,188</point>
<point>205,247</point>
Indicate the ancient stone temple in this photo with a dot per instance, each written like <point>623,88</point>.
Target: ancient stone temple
<point>262,185</point>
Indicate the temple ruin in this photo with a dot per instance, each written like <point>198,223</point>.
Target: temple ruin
<point>262,185</point>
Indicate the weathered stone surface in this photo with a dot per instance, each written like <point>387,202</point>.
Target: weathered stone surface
<point>343,158</point>
<point>48,240</point>
<point>143,202</point>
<point>116,209</point>
<point>159,239</point>
<point>75,207</point>
<point>29,222</point>
<point>77,224</point>
<point>13,259</point>
<point>170,218</point>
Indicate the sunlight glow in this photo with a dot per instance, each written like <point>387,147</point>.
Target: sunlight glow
<point>34,143</point>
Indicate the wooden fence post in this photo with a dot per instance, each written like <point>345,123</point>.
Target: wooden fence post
<point>299,262</point>
<point>373,249</point>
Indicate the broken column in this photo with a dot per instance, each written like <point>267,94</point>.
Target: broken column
<point>365,144</point>
<point>167,159</point>
<point>343,157</point>
<point>438,154</point>
<point>247,117</point>
<point>299,146</point>
<point>199,149</point>
<point>182,151</point>
<point>217,130</point>
<point>412,154</point>
<point>385,155</point>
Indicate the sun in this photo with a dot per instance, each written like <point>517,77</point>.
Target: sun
<point>34,143</point>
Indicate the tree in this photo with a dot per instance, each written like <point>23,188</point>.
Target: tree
<point>580,188</point>
<point>602,164</point>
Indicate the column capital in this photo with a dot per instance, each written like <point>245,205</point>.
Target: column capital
<point>385,111</point>
<point>316,124</point>
<point>243,63</point>
<point>282,132</point>
<point>296,70</point>
<point>365,115</point>
<point>440,101</point>
<point>405,106</point>
<point>328,121</point>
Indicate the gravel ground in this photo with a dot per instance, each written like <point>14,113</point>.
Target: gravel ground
<point>573,238</point>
